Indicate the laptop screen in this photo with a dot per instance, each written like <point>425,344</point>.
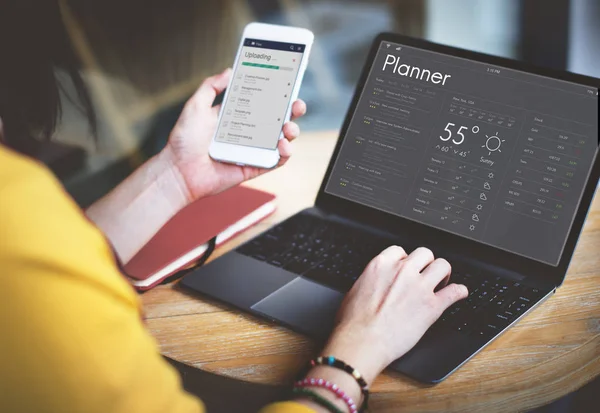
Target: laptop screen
<point>493,154</point>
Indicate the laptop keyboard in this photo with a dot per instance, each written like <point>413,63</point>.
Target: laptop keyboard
<point>327,252</point>
<point>335,255</point>
<point>493,304</point>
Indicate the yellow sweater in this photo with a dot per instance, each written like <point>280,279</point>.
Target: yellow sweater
<point>71,331</point>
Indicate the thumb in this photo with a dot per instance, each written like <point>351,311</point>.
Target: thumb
<point>211,87</point>
<point>450,294</point>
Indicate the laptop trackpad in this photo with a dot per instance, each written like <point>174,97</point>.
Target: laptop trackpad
<point>303,305</point>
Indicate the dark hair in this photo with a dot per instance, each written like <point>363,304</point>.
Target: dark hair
<point>33,45</point>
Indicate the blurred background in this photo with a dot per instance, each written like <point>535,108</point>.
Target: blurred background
<point>143,58</point>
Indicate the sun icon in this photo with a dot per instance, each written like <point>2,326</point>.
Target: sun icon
<point>493,143</point>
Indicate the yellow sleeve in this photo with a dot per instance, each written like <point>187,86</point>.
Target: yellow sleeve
<point>71,333</point>
<point>287,407</point>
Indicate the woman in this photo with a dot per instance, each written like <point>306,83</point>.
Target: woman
<point>71,328</point>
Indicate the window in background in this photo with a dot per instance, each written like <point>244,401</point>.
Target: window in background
<point>584,37</point>
<point>490,26</point>
<point>343,34</point>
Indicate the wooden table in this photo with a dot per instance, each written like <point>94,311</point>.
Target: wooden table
<point>550,353</point>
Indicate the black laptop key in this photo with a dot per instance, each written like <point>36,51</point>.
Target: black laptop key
<point>463,326</point>
<point>331,265</point>
<point>351,272</point>
<point>510,315</point>
<point>488,330</point>
<point>333,279</point>
<point>521,307</point>
<point>454,309</point>
<point>502,320</point>
<point>250,248</point>
<point>287,257</point>
<point>263,246</point>
<point>299,266</point>
<point>318,273</point>
<point>277,262</point>
<point>499,302</point>
<point>354,274</point>
<point>274,236</point>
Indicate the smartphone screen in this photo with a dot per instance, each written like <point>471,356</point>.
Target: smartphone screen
<point>260,93</point>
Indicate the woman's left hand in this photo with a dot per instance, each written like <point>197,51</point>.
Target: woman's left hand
<point>187,149</point>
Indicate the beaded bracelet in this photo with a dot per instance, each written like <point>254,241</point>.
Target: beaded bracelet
<point>317,398</point>
<point>339,393</point>
<point>339,364</point>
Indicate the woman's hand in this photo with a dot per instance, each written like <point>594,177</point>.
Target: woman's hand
<point>390,307</point>
<point>384,315</point>
<point>181,173</point>
<point>187,149</point>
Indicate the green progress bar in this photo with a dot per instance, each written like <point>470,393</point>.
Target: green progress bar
<point>260,65</point>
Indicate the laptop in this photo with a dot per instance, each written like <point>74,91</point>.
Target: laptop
<point>489,162</point>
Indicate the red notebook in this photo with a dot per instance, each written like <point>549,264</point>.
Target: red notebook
<point>184,238</point>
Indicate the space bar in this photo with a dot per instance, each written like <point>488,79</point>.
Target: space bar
<point>330,280</point>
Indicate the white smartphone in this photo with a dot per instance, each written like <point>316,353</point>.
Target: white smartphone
<point>267,74</point>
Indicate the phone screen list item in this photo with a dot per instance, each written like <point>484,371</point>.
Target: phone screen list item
<point>261,91</point>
